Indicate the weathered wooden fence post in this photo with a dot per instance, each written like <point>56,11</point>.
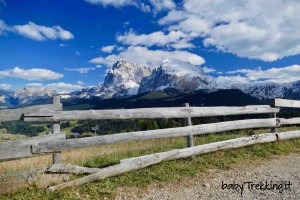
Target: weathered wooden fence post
<point>56,130</point>
<point>274,115</point>
<point>188,122</point>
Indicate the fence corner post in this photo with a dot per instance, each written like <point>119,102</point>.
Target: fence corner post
<point>56,157</point>
<point>188,122</point>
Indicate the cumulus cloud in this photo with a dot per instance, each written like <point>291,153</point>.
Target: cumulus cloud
<point>251,29</point>
<point>146,6</point>
<point>4,86</point>
<point>145,56</point>
<point>81,70</point>
<point>42,33</point>
<point>279,75</point>
<point>108,49</point>
<point>287,74</point>
<point>208,70</point>
<point>159,5</point>
<point>173,16</point>
<point>154,39</point>
<point>31,74</point>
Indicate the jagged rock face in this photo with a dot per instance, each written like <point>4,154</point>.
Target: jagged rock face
<point>179,75</point>
<point>123,79</point>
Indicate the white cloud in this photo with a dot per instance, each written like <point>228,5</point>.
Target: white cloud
<point>115,3</point>
<point>155,38</point>
<point>125,24</point>
<point>279,75</point>
<point>159,5</point>
<point>42,33</point>
<point>108,49</point>
<point>60,86</point>
<point>208,70</point>
<point>98,66</point>
<point>81,70</point>
<point>31,74</point>
<point>145,56</point>
<point>182,44</point>
<point>267,30</point>
<point>34,84</point>
<point>4,86</point>
<point>289,73</point>
<point>231,80</point>
<point>173,16</point>
<point>64,86</point>
<point>80,83</point>
<point>194,26</point>
<point>146,6</point>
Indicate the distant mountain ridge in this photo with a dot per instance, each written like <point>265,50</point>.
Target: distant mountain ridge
<point>126,79</point>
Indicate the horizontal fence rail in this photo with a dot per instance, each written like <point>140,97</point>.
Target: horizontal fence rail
<point>173,112</point>
<point>56,143</point>
<point>22,148</point>
<point>54,146</point>
<point>18,114</point>
<point>286,103</point>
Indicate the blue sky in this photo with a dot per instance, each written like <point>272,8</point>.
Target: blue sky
<point>68,45</point>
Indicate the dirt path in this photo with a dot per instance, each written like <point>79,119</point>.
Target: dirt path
<point>282,170</point>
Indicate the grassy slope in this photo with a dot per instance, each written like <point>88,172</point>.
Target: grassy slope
<point>173,170</point>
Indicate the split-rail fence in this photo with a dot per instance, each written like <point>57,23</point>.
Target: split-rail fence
<point>56,142</point>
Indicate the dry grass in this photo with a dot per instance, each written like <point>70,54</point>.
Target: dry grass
<point>80,156</point>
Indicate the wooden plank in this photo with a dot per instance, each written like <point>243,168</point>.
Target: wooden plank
<point>173,112</point>
<point>290,121</point>
<point>22,148</point>
<point>55,146</point>
<point>286,103</point>
<point>141,162</point>
<point>17,114</point>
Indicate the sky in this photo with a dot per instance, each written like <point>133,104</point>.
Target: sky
<point>71,44</point>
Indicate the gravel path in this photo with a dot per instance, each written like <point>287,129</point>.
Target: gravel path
<point>282,170</point>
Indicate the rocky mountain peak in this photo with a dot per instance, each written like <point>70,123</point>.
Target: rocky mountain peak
<point>124,79</point>
<point>176,74</point>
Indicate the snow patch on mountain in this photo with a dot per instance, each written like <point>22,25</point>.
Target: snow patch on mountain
<point>176,74</point>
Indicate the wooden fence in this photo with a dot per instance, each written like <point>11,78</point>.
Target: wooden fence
<point>57,142</point>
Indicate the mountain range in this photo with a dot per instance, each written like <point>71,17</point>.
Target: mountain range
<point>126,79</point>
